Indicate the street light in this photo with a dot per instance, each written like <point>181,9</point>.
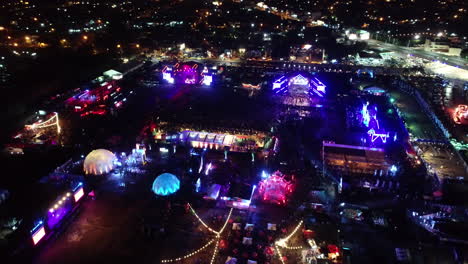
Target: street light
<point>417,36</point>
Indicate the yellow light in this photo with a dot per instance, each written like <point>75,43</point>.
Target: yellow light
<point>85,37</point>
<point>137,45</point>
<point>2,28</point>
<point>118,46</point>
<point>35,18</point>
<point>218,237</point>
<point>15,44</point>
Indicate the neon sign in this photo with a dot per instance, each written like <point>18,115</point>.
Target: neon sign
<point>190,81</point>
<point>78,194</point>
<point>374,135</point>
<point>38,235</point>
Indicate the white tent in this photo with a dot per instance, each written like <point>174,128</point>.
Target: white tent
<point>99,161</point>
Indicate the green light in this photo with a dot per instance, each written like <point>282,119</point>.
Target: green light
<point>392,100</point>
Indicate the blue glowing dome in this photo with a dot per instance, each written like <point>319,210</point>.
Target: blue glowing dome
<point>166,184</point>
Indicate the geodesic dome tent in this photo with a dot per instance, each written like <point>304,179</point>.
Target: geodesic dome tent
<point>99,161</point>
<point>166,184</point>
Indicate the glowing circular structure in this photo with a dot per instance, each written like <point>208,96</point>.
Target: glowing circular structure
<point>99,161</point>
<point>275,188</point>
<point>166,184</point>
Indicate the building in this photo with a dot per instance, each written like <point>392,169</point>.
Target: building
<point>441,47</point>
<point>348,159</point>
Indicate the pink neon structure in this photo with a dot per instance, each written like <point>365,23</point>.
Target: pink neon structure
<point>275,189</point>
<point>190,81</point>
<point>461,112</point>
<point>38,235</point>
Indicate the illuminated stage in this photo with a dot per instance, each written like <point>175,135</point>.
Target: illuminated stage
<point>299,89</point>
<point>187,74</point>
<point>275,188</point>
<point>299,85</point>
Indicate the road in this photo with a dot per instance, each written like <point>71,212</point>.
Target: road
<point>450,60</point>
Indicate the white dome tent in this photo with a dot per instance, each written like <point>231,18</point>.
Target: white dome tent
<point>166,184</point>
<point>99,161</point>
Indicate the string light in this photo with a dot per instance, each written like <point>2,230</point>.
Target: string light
<point>188,255</point>
<point>218,237</point>
<point>215,251</point>
<point>225,223</point>
<point>291,234</point>
<point>282,242</point>
<point>202,222</point>
<point>279,253</point>
<point>47,123</point>
<point>292,248</point>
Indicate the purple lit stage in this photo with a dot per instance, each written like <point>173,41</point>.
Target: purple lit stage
<point>299,85</point>
<point>187,74</point>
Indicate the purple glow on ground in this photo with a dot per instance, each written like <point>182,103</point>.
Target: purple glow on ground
<point>54,217</point>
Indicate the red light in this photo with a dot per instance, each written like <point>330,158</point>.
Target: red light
<point>333,249</point>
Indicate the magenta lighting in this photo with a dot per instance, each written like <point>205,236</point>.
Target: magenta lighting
<point>275,189</point>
